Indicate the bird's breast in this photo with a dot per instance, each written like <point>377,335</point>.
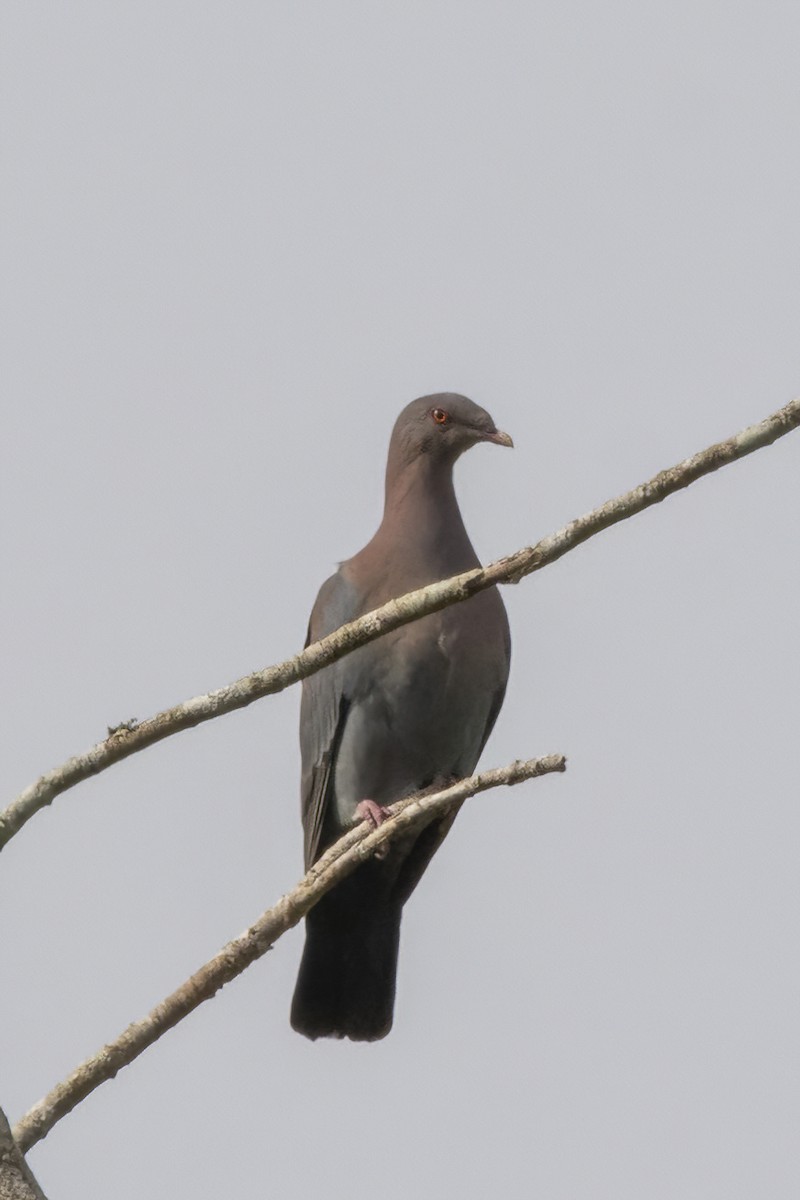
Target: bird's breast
<point>420,701</point>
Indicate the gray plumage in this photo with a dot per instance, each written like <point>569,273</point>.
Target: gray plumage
<point>408,711</point>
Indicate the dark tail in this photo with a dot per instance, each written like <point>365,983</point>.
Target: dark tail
<point>346,983</point>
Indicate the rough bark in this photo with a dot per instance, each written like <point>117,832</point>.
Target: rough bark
<point>16,1179</point>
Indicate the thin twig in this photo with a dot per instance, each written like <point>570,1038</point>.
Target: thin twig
<point>342,858</point>
<point>129,737</point>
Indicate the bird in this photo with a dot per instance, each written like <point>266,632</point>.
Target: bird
<point>409,711</point>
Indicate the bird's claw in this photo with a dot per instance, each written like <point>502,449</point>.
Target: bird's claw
<point>371,812</point>
<point>374,814</point>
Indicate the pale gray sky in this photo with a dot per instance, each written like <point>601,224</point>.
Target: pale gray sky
<point>236,240</point>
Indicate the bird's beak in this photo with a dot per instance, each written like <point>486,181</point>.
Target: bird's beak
<point>499,438</point>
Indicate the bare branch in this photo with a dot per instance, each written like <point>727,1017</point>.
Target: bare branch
<point>129,737</point>
<point>339,861</point>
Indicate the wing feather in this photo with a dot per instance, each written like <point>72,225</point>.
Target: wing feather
<point>323,712</point>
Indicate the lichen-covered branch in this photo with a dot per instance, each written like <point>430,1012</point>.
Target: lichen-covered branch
<point>131,737</point>
<point>342,858</point>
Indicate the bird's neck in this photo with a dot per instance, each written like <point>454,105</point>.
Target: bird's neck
<point>421,512</point>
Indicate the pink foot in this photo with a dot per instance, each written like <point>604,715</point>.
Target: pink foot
<point>375,814</point>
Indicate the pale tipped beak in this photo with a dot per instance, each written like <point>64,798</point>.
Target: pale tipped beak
<point>499,438</point>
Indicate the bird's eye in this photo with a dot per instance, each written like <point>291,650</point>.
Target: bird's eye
<point>440,416</point>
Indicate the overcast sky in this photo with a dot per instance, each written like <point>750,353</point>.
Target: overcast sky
<point>236,240</point>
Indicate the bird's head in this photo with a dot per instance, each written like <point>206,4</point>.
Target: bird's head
<point>442,427</point>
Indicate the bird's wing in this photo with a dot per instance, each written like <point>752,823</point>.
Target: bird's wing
<point>432,836</point>
<point>323,713</point>
<point>497,702</point>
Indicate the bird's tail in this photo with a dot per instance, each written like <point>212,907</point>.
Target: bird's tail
<point>346,983</point>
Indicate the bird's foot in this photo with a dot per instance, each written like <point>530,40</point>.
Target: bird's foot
<point>374,814</point>
<point>371,812</point>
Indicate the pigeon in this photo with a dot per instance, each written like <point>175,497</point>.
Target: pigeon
<point>409,711</point>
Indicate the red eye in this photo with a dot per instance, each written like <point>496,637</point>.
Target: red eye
<point>440,416</point>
